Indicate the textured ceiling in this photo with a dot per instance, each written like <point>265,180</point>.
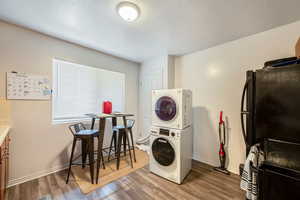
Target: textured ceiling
<point>175,27</point>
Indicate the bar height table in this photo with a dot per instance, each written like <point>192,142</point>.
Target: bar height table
<point>102,120</point>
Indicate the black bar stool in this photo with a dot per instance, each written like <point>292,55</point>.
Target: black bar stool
<point>120,138</point>
<point>87,149</point>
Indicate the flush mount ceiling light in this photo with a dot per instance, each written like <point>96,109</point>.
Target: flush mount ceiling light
<point>128,11</point>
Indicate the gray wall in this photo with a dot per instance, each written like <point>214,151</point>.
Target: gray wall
<point>37,146</point>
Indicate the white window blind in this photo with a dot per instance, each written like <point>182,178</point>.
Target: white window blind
<point>79,89</point>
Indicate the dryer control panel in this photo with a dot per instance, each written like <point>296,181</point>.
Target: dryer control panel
<point>165,132</point>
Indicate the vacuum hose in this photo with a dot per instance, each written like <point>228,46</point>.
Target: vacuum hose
<point>143,140</point>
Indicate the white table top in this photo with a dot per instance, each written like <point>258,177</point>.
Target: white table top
<point>102,115</point>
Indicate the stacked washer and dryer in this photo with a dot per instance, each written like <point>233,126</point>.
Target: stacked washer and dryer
<point>171,140</point>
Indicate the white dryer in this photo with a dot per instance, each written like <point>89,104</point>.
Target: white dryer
<point>172,108</point>
<point>171,153</point>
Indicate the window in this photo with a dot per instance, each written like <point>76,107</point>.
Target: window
<point>79,89</point>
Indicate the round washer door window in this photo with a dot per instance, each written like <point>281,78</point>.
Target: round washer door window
<point>165,108</point>
<point>163,151</point>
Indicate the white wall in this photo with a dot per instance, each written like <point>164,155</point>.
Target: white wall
<point>216,77</point>
<point>155,73</point>
<point>171,72</point>
<point>37,146</point>
<point>152,76</point>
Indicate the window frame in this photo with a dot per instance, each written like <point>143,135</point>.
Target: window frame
<point>55,86</point>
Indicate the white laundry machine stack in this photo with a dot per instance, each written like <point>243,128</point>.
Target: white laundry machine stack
<point>171,134</point>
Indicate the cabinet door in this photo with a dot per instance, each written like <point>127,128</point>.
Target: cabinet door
<point>2,171</point>
<point>7,161</point>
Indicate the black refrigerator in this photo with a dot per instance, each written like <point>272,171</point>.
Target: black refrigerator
<point>270,115</point>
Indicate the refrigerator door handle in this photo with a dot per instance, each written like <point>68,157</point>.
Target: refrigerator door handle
<point>244,112</point>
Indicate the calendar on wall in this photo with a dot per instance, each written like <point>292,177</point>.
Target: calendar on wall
<point>26,86</point>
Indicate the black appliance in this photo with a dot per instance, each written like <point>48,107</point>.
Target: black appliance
<point>270,115</point>
<point>281,62</point>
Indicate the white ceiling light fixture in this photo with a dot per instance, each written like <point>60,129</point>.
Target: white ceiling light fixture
<point>128,11</point>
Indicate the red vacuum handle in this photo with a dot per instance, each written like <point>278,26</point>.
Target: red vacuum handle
<point>221,118</point>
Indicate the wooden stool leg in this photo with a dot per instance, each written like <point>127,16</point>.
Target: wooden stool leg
<point>115,134</point>
<point>71,159</point>
<point>115,143</point>
<point>131,135</point>
<point>124,144</point>
<point>126,135</point>
<point>100,146</point>
<point>120,137</point>
<point>110,146</point>
<point>102,158</point>
<point>83,152</point>
<point>91,157</point>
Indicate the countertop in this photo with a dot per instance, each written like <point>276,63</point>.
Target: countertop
<point>3,132</point>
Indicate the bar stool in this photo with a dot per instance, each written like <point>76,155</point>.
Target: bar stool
<point>87,149</point>
<point>120,138</point>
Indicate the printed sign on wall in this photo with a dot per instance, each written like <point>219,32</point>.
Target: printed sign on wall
<point>25,86</point>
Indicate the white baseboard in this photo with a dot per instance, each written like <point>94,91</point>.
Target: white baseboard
<point>36,175</point>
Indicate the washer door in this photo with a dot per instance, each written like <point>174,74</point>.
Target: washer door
<point>163,151</point>
<point>165,108</point>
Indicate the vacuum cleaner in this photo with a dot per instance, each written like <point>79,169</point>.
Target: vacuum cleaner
<point>222,139</point>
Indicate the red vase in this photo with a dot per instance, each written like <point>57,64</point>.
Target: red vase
<point>107,107</point>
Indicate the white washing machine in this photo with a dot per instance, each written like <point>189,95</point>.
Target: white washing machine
<point>172,108</point>
<point>171,153</point>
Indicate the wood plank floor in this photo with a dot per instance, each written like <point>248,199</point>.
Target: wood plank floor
<point>202,183</point>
